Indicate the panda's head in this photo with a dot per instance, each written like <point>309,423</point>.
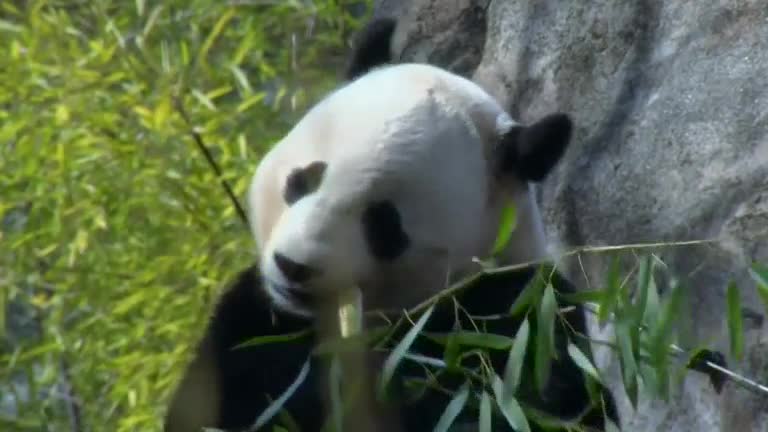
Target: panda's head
<point>393,183</point>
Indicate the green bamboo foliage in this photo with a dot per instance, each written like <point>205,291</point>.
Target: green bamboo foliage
<point>115,235</point>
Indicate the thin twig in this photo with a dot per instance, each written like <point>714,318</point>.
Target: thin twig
<point>465,282</point>
<point>458,286</point>
<point>209,157</point>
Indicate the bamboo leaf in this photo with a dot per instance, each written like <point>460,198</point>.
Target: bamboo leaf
<point>583,296</point>
<point>214,34</point>
<point>582,361</point>
<point>509,407</point>
<point>735,322</point>
<point>241,79</point>
<point>140,7</point>
<point>250,101</point>
<point>611,293</point>
<point>662,334</point>
<point>277,405</point>
<point>628,362</point>
<point>472,338</point>
<point>452,353</point>
<point>394,358</point>
<point>545,338</point>
<point>506,227</point>
<point>530,293</point>
<point>261,340</point>
<point>651,313</point>
<point>760,276</point>
<point>7,26</point>
<point>485,413</point>
<point>204,99</point>
<point>453,409</point>
<point>644,280</point>
<point>516,359</point>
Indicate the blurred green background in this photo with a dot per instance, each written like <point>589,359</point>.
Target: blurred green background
<point>115,233</point>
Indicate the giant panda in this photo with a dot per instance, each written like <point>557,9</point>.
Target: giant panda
<point>393,182</point>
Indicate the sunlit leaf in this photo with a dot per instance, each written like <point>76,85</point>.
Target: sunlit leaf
<point>62,115</point>
<point>6,26</point>
<point>241,79</point>
<point>203,99</point>
<point>140,7</point>
<point>214,34</point>
<point>507,225</point>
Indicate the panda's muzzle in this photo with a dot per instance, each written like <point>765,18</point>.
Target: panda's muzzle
<point>297,290</point>
<point>297,295</point>
<point>293,271</point>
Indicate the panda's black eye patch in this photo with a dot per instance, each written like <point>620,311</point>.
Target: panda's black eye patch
<point>302,181</point>
<point>383,231</point>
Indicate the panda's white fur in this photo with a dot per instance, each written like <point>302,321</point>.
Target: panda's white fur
<point>411,133</point>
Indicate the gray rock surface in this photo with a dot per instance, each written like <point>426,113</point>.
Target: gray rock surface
<point>671,105</point>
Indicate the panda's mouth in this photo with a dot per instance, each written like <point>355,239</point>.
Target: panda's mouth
<point>291,298</point>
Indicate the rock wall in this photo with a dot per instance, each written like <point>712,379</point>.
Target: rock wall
<point>670,100</point>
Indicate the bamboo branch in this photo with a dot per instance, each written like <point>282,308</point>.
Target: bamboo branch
<point>467,281</point>
<point>209,157</point>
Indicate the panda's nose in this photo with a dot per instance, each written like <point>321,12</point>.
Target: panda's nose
<point>293,271</point>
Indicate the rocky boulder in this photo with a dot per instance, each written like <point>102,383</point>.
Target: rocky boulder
<point>670,100</point>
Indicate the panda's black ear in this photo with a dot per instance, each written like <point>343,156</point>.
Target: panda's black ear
<point>372,48</point>
<point>530,152</point>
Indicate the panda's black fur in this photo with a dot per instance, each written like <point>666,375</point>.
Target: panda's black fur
<point>249,378</point>
<point>247,375</point>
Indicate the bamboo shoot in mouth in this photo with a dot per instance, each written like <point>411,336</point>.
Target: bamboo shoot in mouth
<point>343,318</point>
<point>350,313</point>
